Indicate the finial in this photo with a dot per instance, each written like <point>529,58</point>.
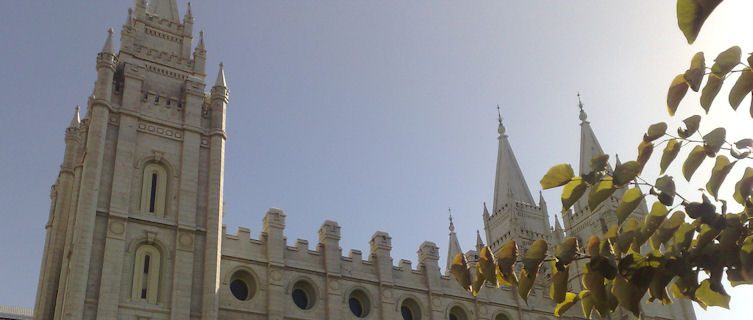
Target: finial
<point>452,226</point>
<point>76,119</point>
<point>501,129</point>
<point>583,116</point>
<point>220,77</point>
<point>479,242</point>
<point>107,48</point>
<point>617,159</point>
<point>200,45</point>
<point>188,11</point>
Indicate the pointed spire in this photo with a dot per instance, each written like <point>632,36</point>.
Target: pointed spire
<point>200,45</point>
<point>501,128</point>
<point>479,242</point>
<point>589,145</point>
<point>189,14</point>
<point>107,48</point>
<point>129,20</point>
<point>582,116</point>
<point>542,202</point>
<point>557,225</point>
<point>220,82</point>
<point>167,9</point>
<point>617,161</point>
<point>486,211</point>
<point>454,246</point>
<point>509,185</point>
<point>76,118</point>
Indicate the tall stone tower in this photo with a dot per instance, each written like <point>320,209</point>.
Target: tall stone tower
<point>136,217</point>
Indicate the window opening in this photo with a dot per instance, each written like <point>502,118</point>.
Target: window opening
<point>153,193</point>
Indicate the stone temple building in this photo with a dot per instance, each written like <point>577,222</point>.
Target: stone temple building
<point>135,227</point>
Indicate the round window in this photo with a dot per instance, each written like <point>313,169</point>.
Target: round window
<point>242,285</point>
<point>358,301</point>
<point>303,295</point>
<point>410,310</point>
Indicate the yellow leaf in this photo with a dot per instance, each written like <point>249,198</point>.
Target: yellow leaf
<point>676,92</point>
<point>691,14</point>
<point>718,173</point>
<point>669,154</point>
<point>594,282</point>
<point>572,191</point>
<point>694,75</point>
<point>586,302</point>
<point>558,175</point>
<point>600,192</point>
<point>695,158</point>
<point>627,295</point>
<point>506,258</point>
<point>531,263</point>
<point>711,297</point>
<point>459,269</point>
<point>558,287</point>
<point>710,90</point>
<point>667,229</point>
<point>630,200</point>
<point>742,87</point>
<point>629,231</point>
<point>486,265</point>
<point>652,222</point>
<point>562,307</point>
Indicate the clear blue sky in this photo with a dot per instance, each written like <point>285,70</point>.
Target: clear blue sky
<point>377,115</point>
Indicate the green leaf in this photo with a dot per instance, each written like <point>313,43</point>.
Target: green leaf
<point>655,131</point>
<point>558,287</point>
<point>742,149</point>
<point>558,175</point>
<point>562,307</point>
<point>599,162</point>
<point>626,172</point>
<point>726,61</point>
<point>657,289</point>
<point>629,201</point>
<point>710,90</point>
<point>627,295</point>
<point>669,154</point>
<point>694,160</point>
<point>744,186</point>
<point>652,222</point>
<point>683,237</point>
<point>586,302</point>
<point>676,92</point>
<point>666,187</point>
<point>644,153</point>
<point>572,191</point>
<point>667,229</point>
<point>594,282</point>
<point>460,270</point>
<point>711,297</point>
<point>706,236</point>
<point>506,258</point>
<point>565,252</point>
<point>703,210</point>
<point>713,141</point>
<point>691,126</point>
<point>742,87</point>
<point>487,266</point>
<point>718,173</point>
<point>630,230</point>
<point>600,192</point>
<point>691,14</point>
<point>531,263</point>
<point>694,75</point>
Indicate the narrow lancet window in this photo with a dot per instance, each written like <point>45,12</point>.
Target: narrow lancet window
<point>146,274</point>
<point>154,190</point>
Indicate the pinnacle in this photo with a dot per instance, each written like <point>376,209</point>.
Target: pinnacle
<point>188,11</point>
<point>107,48</point>
<point>76,119</point>
<point>200,45</point>
<point>220,77</point>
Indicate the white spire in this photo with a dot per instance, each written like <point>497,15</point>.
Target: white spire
<point>200,45</point>
<point>589,145</point>
<point>220,82</point>
<point>167,9</point>
<point>454,246</point>
<point>76,118</point>
<point>479,242</point>
<point>189,14</point>
<point>107,48</point>
<point>129,20</point>
<point>509,185</point>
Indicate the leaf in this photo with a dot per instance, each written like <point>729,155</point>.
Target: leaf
<point>562,307</point>
<point>627,295</point>
<point>599,162</point>
<point>726,61</point>
<point>692,124</point>
<point>713,141</point>
<point>565,252</point>
<point>706,236</point>
<point>531,263</point>
<point>742,87</point>
<point>666,187</point>
<point>667,230</point>
<point>676,92</point>
<point>572,191</point>
<point>742,149</point>
<point>652,222</point>
<point>669,154</point>
<point>506,258</point>
<point>600,192</point>
<point>657,289</point>
<point>558,287</point>
<point>629,201</point>
<point>487,266</point>
<point>558,175</point>
<point>630,230</point>
<point>626,172</point>
<point>746,259</point>
<point>459,269</point>
<point>691,14</point>
<point>703,210</point>
<point>644,153</point>
<point>586,302</point>
<point>694,75</point>
<point>655,131</point>
<point>744,186</point>
<point>683,237</point>
<point>711,297</point>
<point>710,90</point>
<point>718,173</point>
<point>694,160</point>
<point>594,282</point>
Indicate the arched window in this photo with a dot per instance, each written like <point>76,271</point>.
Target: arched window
<point>146,274</point>
<point>153,190</point>
<point>457,313</point>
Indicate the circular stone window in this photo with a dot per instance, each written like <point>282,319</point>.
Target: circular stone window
<point>242,285</point>
<point>410,310</point>
<point>359,304</point>
<point>303,295</point>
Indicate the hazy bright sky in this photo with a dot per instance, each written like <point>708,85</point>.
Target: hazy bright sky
<point>379,115</point>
